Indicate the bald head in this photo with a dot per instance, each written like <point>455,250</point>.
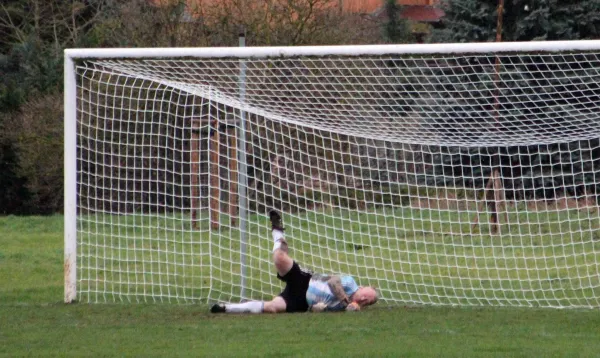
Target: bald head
<point>365,296</point>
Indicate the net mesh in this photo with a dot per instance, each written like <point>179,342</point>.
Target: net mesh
<point>466,179</point>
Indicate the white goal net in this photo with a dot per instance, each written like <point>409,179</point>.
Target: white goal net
<point>441,174</point>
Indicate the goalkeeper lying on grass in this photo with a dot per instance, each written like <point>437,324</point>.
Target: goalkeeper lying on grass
<point>304,291</point>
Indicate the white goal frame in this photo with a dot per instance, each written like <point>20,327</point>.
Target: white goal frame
<point>70,98</point>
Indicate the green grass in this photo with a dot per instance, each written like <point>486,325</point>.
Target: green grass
<point>35,322</point>
<point>546,258</point>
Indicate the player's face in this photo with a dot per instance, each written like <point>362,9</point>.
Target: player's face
<point>366,296</point>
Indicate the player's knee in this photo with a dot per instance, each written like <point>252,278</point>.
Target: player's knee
<point>283,263</point>
<point>279,256</point>
<point>273,307</point>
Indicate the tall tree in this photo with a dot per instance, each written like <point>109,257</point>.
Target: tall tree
<point>524,20</point>
<point>33,35</point>
<point>395,29</point>
<point>569,83</point>
<point>288,22</point>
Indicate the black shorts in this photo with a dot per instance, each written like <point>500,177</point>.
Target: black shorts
<point>296,285</point>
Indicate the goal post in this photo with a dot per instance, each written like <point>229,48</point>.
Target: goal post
<point>443,174</point>
<point>70,173</point>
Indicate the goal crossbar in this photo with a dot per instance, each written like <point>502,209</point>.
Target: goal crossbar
<point>338,50</point>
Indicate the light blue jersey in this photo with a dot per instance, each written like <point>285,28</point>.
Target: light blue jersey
<point>319,291</point>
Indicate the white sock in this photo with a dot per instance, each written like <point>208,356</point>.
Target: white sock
<point>277,237</point>
<point>246,307</point>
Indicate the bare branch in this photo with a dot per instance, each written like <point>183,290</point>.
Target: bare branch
<point>7,22</point>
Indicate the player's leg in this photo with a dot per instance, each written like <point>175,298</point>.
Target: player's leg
<point>296,278</point>
<point>276,305</point>
<point>283,262</point>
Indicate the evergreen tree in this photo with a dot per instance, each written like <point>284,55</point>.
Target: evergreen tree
<point>14,195</point>
<point>543,93</point>
<point>523,20</point>
<point>395,29</point>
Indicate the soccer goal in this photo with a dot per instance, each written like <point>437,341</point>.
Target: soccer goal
<point>443,174</point>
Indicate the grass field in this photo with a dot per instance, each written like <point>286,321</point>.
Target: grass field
<point>415,256</point>
<point>35,322</point>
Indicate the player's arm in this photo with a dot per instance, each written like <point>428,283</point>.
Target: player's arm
<point>322,307</point>
<point>337,288</point>
<point>335,285</point>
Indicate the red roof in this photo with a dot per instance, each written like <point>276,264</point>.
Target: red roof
<point>417,10</point>
<point>422,13</point>
<point>370,6</point>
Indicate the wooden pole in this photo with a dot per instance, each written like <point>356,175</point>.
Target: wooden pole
<point>214,175</point>
<point>482,202</point>
<point>492,194</point>
<point>497,68</point>
<point>497,187</point>
<point>195,172</point>
<point>500,197</point>
<point>233,178</point>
